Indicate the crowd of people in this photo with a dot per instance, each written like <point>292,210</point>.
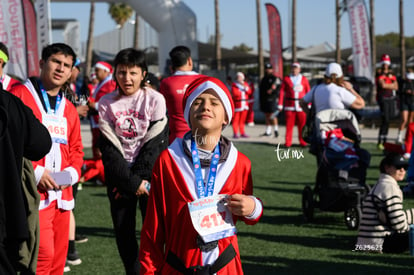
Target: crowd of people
<point>159,144</point>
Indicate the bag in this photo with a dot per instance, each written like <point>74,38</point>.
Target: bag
<point>307,131</point>
<point>309,127</point>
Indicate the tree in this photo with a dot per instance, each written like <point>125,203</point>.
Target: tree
<point>120,13</point>
<point>242,48</point>
<point>338,31</point>
<point>259,40</point>
<point>294,59</point>
<point>218,39</point>
<point>89,46</point>
<point>402,41</point>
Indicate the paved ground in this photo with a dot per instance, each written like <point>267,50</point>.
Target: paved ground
<point>368,134</point>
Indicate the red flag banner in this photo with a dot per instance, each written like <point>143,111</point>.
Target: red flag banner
<point>361,42</point>
<point>13,35</point>
<point>31,38</point>
<point>275,39</point>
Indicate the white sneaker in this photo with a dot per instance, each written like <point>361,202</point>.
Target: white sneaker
<point>407,155</point>
<point>250,124</point>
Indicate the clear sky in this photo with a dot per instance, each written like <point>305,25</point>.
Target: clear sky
<point>315,20</point>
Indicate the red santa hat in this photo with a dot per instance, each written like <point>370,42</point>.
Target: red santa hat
<point>104,66</point>
<point>199,86</point>
<point>385,59</point>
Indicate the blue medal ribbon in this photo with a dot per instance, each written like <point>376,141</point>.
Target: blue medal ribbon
<point>46,100</point>
<point>209,188</point>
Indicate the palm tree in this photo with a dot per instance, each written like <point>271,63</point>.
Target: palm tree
<point>374,48</point>
<point>402,39</point>
<point>89,46</point>
<point>259,40</point>
<point>338,32</point>
<point>120,12</point>
<point>218,38</point>
<point>294,59</point>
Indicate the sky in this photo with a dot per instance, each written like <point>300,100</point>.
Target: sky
<point>315,20</point>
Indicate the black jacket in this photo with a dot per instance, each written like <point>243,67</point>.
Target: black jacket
<point>21,135</point>
<point>127,179</point>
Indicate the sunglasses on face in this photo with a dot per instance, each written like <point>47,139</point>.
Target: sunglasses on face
<point>401,166</point>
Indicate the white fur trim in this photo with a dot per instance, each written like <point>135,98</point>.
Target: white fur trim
<point>202,88</point>
<point>103,67</point>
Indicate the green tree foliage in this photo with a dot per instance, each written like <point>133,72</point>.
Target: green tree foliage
<point>242,48</point>
<point>120,12</point>
<point>393,39</point>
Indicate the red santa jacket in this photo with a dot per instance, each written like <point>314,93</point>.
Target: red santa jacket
<point>241,94</point>
<point>173,88</point>
<point>8,82</point>
<point>388,79</point>
<point>62,157</point>
<point>104,87</point>
<point>168,225</point>
<point>291,93</point>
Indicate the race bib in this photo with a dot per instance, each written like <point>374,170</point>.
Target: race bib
<point>298,88</point>
<point>211,218</point>
<point>57,127</point>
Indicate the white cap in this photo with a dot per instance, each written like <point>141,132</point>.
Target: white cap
<point>333,68</point>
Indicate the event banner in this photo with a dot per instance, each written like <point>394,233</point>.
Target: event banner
<point>13,35</point>
<point>31,38</point>
<point>361,42</point>
<point>44,35</point>
<point>275,39</point>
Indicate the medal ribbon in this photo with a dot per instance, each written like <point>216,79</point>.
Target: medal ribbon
<point>209,189</point>
<point>46,99</point>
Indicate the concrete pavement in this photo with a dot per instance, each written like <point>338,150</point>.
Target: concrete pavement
<point>369,134</point>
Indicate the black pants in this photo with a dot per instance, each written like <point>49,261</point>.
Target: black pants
<point>396,243</point>
<point>387,108</point>
<point>123,212</point>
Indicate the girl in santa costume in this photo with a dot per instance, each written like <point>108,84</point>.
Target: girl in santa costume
<point>134,131</point>
<point>241,91</point>
<point>200,187</point>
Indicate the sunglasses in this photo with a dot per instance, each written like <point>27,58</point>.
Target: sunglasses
<point>401,166</point>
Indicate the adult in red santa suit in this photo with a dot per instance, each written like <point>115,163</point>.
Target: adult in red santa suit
<point>60,168</point>
<point>106,85</point>
<point>294,87</point>
<point>189,226</point>
<point>5,79</point>
<point>173,88</point>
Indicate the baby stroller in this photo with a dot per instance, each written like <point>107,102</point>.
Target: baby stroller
<point>340,180</point>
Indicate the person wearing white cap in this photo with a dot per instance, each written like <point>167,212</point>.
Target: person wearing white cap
<point>201,186</point>
<point>294,87</point>
<point>387,85</point>
<point>333,93</point>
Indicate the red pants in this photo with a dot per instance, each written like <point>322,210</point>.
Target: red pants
<point>54,240</point>
<point>94,168</point>
<point>239,120</point>
<point>250,113</point>
<point>409,138</point>
<point>292,118</point>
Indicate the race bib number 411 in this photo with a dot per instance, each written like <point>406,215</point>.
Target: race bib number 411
<point>211,218</point>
